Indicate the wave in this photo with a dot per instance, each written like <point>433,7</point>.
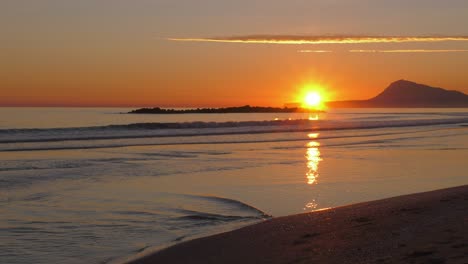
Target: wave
<point>231,202</point>
<point>203,216</point>
<point>152,126</point>
<point>200,216</point>
<point>161,130</point>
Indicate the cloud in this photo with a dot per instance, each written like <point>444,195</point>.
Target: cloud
<point>315,51</point>
<point>308,39</point>
<point>390,51</point>
<point>409,51</point>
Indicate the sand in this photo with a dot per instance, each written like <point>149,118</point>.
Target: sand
<point>429,227</point>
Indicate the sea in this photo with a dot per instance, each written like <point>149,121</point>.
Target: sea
<point>99,185</point>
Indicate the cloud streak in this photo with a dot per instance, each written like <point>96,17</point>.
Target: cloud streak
<point>409,51</point>
<point>307,39</point>
<point>390,51</point>
<point>315,51</point>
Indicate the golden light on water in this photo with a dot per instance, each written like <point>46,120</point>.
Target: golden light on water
<point>311,205</point>
<point>313,160</point>
<point>313,117</point>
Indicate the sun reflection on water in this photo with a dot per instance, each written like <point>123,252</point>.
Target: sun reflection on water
<point>311,206</point>
<point>313,159</point>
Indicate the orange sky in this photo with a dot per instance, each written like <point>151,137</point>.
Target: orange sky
<point>93,54</point>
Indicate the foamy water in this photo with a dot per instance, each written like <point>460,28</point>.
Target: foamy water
<point>94,185</point>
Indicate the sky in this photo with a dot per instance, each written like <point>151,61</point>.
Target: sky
<point>174,53</point>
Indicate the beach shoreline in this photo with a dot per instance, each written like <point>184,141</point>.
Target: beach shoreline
<point>417,228</point>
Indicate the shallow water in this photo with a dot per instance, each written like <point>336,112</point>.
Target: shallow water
<point>72,196</point>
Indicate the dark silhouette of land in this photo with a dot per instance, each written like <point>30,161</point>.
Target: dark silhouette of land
<point>400,94</point>
<point>226,110</point>
<point>406,94</point>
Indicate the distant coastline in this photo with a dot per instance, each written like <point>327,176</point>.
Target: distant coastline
<point>407,94</point>
<point>225,110</point>
<point>399,94</point>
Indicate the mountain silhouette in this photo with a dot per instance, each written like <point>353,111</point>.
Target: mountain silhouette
<point>409,94</point>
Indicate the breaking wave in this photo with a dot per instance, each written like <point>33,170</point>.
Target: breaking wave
<point>155,130</point>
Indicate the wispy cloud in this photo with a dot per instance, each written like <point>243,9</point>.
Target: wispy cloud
<point>390,51</point>
<point>409,51</point>
<point>315,51</point>
<point>308,39</point>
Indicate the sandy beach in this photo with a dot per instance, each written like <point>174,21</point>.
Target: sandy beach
<point>426,227</point>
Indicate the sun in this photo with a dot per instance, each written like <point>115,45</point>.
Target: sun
<point>312,100</point>
<point>312,96</point>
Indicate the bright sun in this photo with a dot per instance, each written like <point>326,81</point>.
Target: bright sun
<point>312,99</point>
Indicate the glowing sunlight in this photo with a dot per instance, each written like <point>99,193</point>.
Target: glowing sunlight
<point>312,96</point>
<point>312,99</point>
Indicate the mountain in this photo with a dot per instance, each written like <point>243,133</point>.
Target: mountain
<point>404,94</point>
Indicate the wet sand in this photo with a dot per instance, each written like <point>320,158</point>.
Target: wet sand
<point>430,227</point>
